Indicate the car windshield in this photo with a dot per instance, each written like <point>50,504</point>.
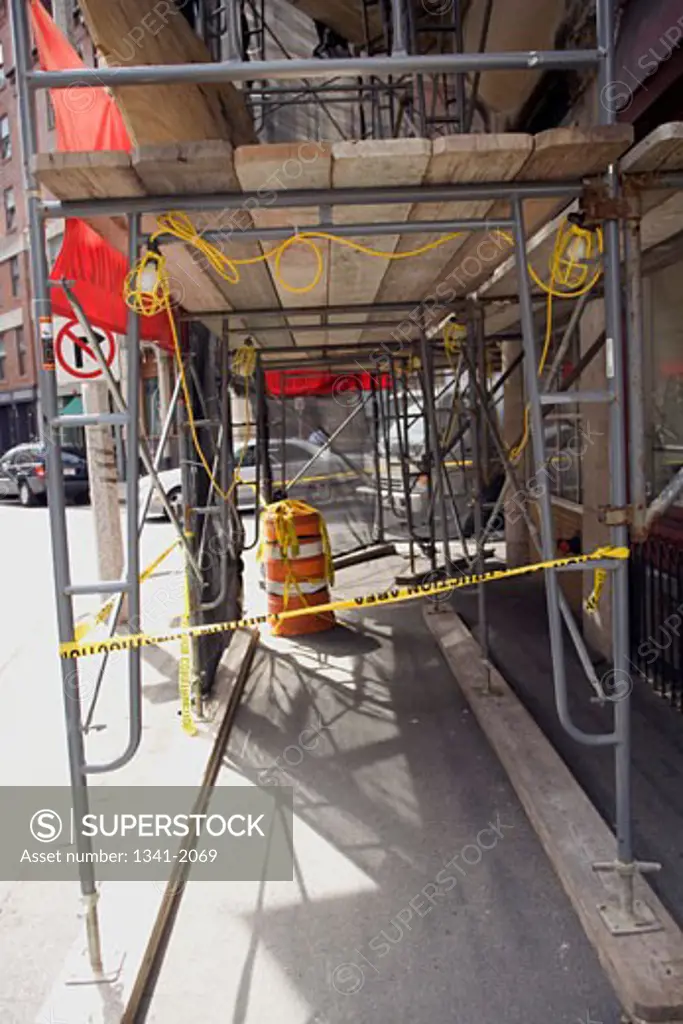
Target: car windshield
<point>71,456</point>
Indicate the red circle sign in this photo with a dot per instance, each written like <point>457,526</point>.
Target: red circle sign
<point>75,355</point>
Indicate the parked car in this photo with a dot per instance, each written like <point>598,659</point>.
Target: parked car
<point>328,466</point>
<point>23,473</point>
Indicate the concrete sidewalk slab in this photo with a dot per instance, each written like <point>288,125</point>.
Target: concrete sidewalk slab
<point>646,970</point>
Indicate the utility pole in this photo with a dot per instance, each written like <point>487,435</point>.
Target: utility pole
<point>164,378</point>
<point>63,16</point>
<point>101,451</point>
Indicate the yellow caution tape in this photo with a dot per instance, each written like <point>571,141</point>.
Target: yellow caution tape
<point>593,600</point>
<point>301,480</point>
<point>393,596</point>
<point>185,665</point>
<point>99,617</point>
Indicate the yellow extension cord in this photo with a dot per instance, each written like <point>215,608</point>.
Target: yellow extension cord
<point>568,270</point>
<point>569,278</point>
<point>147,291</point>
<point>572,274</point>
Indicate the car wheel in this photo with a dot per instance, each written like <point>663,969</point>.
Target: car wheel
<point>26,495</point>
<point>175,500</point>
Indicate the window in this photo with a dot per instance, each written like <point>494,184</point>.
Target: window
<point>151,397</point>
<point>10,209</point>
<point>50,113</point>
<point>53,246</point>
<point>2,66</point>
<point>249,457</point>
<point>21,351</point>
<point>5,138</point>
<point>3,356</point>
<point>15,275</point>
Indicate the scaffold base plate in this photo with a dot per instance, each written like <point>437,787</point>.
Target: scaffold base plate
<point>620,922</point>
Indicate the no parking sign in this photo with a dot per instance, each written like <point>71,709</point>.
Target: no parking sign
<point>74,355</point>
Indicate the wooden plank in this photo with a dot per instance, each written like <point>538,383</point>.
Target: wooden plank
<point>72,176</point>
<point>87,175</point>
<point>190,168</point>
<point>134,32</point>
<point>355,277</point>
<point>187,168</point>
<point>274,168</point>
<point>106,174</point>
<point>558,154</point>
<point>455,158</point>
<point>661,150</point>
<point>513,25</point>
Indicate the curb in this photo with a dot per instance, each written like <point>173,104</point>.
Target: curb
<point>645,970</point>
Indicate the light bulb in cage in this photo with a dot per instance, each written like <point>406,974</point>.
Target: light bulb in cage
<point>147,278</point>
<point>147,285</point>
<point>575,258</point>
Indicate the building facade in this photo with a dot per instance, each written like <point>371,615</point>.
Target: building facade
<point>18,366</point>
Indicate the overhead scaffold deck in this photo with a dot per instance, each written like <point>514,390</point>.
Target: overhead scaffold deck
<point>349,256</point>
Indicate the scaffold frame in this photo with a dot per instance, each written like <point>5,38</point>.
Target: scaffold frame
<point>398,63</point>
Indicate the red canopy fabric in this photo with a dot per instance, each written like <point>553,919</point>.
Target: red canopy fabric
<point>88,119</point>
<point>99,272</point>
<point>292,383</point>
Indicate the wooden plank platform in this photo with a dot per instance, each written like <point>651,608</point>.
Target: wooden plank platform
<point>196,167</point>
<point>355,277</point>
<point>558,154</point>
<point>349,277</point>
<point>266,170</point>
<point>134,32</point>
<point>455,158</point>
<point>662,209</point>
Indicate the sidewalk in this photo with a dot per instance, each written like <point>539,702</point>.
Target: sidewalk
<point>520,649</point>
<point>398,782</point>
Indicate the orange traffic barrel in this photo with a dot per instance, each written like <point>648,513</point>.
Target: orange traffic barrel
<point>298,566</point>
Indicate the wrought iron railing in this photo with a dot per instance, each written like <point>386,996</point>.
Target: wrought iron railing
<point>656,598</point>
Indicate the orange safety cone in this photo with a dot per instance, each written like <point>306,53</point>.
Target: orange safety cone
<point>298,566</point>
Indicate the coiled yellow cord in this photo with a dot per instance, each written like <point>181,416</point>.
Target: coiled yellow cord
<point>147,290</point>
<point>181,227</point>
<point>569,268</point>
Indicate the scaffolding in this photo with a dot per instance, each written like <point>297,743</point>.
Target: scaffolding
<point>216,592</point>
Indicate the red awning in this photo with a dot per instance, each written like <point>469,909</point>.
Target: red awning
<point>98,272</point>
<point>86,120</point>
<point>302,382</point>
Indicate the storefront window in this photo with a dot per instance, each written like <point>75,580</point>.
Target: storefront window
<point>664,389</point>
<point>152,421</point>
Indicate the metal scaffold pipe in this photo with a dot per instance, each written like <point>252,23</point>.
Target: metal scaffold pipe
<point>288,198</point>
<point>71,691</point>
<point>274,70</point>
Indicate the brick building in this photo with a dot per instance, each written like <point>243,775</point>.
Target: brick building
<point>18,369</point>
